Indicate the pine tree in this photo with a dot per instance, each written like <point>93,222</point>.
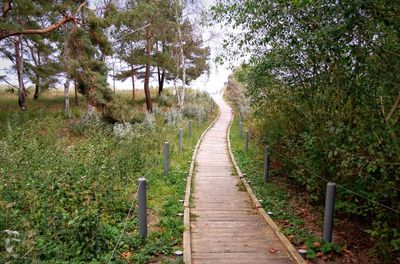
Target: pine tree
<point>143,41</point>
<point>41,65</point>
<point>87,46</point>
<point>20,18</point>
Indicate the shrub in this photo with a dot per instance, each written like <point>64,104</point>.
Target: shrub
<point>165,99</point>
<point>192,110</point>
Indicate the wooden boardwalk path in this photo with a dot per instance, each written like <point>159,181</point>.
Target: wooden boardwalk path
<point>225,226</point>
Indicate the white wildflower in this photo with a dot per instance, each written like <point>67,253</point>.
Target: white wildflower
<point>122,130</point>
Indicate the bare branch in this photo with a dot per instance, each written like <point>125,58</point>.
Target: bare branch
<point>80,7</point>
<point>134,31</point>
<point>2,78</point>
<point>394,108</point>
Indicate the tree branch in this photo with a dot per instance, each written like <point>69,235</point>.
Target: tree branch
<point>394,108</point>
<point>2,78</point>
<point>391,52</point>
<point>6,34</point>
<point>66,19</point>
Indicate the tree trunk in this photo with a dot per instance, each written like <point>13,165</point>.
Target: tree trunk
<point>91,103</point>
<point>161,78</point>
<point>90,111</point>
<point>37,84</point>
<point>66,97</point>
<point>113,72</point>
<point>133,85</point>
<point>76,93</point>
<point>178,95</point>
<point>182,57</point>
<point>37,90</point>
<point>147,75</point>
<point>20,66</point>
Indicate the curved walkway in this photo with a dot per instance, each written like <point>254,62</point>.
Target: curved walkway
<point>225,225</point>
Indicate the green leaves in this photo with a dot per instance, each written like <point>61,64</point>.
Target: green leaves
<point>321,87</point>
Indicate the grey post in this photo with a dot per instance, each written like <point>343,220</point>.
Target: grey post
<point>240,129</point>
<point>246,144</point>
<point>198,119</point>
<point>166,158</point>
<point>180,139</point>
<point>266,164</point>
<point>190,128</point>
<point>142,207</point>
<point>329,211</point>
<point>206,116</point>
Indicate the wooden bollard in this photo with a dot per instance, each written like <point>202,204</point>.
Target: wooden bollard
<point>166,158</point>
<point>190,128</point>
<point>246,143</point>
<point>180,139</point>
<point>329,211</point>
<point>142,207</point>
<point>266,164</point>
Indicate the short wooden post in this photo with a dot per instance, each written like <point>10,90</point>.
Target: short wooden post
<point>190,128</point>
<point>198,119</point>
<point>240,129</point>
<point>142,207</point>
<point>166,158</point>
<point>246,144</point>
<point>206,116</point>
<point>266,164</point>
<point>329,211</point>
<point>180,139</point>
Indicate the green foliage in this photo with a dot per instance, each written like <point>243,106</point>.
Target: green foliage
<point>202,105</point>
<point>165,99</point>
<point>322,94</point>
<point>315,246</point>
<point>118,112</point>
<point>85,49</point>
<point>66,186</point>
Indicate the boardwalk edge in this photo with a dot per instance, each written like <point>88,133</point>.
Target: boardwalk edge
<point>187,247</point>
<point>294,254</point>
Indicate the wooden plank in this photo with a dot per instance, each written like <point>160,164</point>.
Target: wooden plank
<point>229,217</point>
<point>221,173</point>
<point>225,246</point>
<point>250,260</point>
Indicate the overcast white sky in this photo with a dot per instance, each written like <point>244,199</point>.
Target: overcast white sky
<point>212,83</point>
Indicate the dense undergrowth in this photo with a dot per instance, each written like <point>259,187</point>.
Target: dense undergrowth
<point>275,198</point>
<point>362,163</point>
<point>66,186</point>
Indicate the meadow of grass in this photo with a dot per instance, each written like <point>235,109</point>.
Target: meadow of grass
<point>67,186</point>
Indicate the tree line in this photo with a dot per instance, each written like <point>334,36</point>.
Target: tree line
<point>77,41</point>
